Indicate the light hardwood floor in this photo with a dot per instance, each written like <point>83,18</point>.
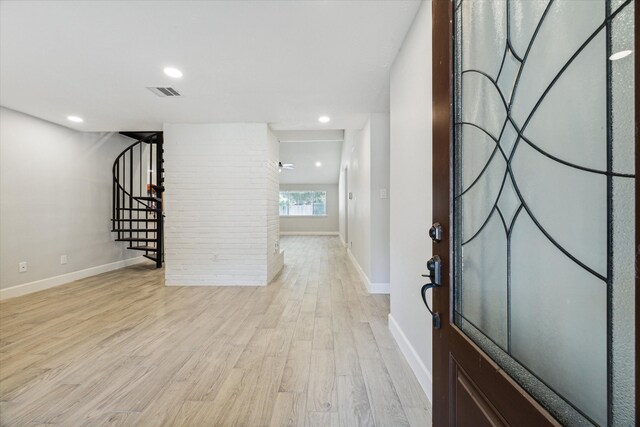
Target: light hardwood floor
<point>310,349</point>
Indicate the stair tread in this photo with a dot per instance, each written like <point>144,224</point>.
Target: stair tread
<point>136,220</point>
<point>151,199</point>
<point>134,230</point>
<point>139,209</point>
<point>144,248</point>
<point>151,257</point>
<point>135,239</point>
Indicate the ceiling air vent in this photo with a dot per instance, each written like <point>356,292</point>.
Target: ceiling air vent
<point>163,92</point>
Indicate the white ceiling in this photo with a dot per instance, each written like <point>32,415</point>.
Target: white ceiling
<point>304,149</point>
<point>280,62</point>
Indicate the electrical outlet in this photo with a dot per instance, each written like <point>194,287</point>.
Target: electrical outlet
<point>22,267</point>
<point>63,259</point>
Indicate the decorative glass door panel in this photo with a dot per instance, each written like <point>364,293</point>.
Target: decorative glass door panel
<point>544,198</point>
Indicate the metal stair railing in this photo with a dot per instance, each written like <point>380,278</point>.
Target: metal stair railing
<point>137,199</point>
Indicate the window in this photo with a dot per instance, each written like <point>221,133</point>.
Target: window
<point>303,203</point>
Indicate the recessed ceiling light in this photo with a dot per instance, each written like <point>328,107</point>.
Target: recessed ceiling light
<point>620,55</point>
<point>75,119</point>
<point>324,119</point>
<point>318,164</point>
<point>173,72</point>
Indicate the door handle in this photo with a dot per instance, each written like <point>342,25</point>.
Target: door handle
<point>434,265</point>
<point>435,317</point>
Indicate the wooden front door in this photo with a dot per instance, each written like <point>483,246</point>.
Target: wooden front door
<point>534,158</point>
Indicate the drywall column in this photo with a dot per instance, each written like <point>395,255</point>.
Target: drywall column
<point>342,205</point>
<point>365,157</point>
<point>221,223</point>
<point>379,203</point>
<point>411,189</point>
<point>359,180</point>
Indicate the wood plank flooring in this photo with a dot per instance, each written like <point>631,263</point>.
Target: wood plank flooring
<point>310,349</point>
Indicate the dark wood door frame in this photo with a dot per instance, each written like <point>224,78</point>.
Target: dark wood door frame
<point>497,387</point>
<point>442,92</point>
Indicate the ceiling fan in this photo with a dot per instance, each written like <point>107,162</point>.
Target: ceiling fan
<point>288,166</point>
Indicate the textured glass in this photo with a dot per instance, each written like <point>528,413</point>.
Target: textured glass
<point>566,26</point>
<point>478,148</point>
<point>509,205</point>
<point>485,280</point>
<point>559,320</point>
<point>563,201</point>
<point>508,139</point>
<point>623,210</point>
<point>487,107</point>
<point>482,195</point>
<point>544,206</point>
<point>508,74</point>
<point>484,24</point>
<point>622,80</point>
<point>580,90</point>
<point>623,336</point>
<point>524,16</point>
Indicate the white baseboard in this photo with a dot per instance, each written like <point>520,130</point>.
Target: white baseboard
<point>363,276</point>
<point>280,263</point>
<point>213,284</point>
<point>309,233</point>
<point>51,282</point>
<point>415,363</point>
<point>342,240</point>
<point>372,288</point>
<point>379,288</point>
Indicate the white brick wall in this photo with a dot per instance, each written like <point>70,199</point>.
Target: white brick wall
<point>219,189</point>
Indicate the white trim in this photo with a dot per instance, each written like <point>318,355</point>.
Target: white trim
<point>363,276</point>
<point>40,285</point>
<point>280,260</point>
<point>372,288</point>
<point>303,216</point>
<point>415,363</point>
<point>342,240</point>
<point>309,233</point>
<point>379,288</point>
<point>213,284</point>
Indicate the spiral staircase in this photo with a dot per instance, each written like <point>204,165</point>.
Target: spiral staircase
<point>138,178</point>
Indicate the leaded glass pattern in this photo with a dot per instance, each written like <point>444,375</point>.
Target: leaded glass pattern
<point>544,186</point>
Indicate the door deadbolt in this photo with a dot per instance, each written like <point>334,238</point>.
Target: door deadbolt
<point>434,265</point>
<point>435,232</point>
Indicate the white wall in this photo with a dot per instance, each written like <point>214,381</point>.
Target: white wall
<point>411,194</point>
<point>360,204</point>
<point>342,194</point>
<point>275,258</point>
<point>55,199</point>
<point>313,224</point>
<point>379,203</point>
<point>365,157</point>
<point>221,209</point>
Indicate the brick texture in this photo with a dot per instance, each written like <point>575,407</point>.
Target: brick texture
<point>222,184</point>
